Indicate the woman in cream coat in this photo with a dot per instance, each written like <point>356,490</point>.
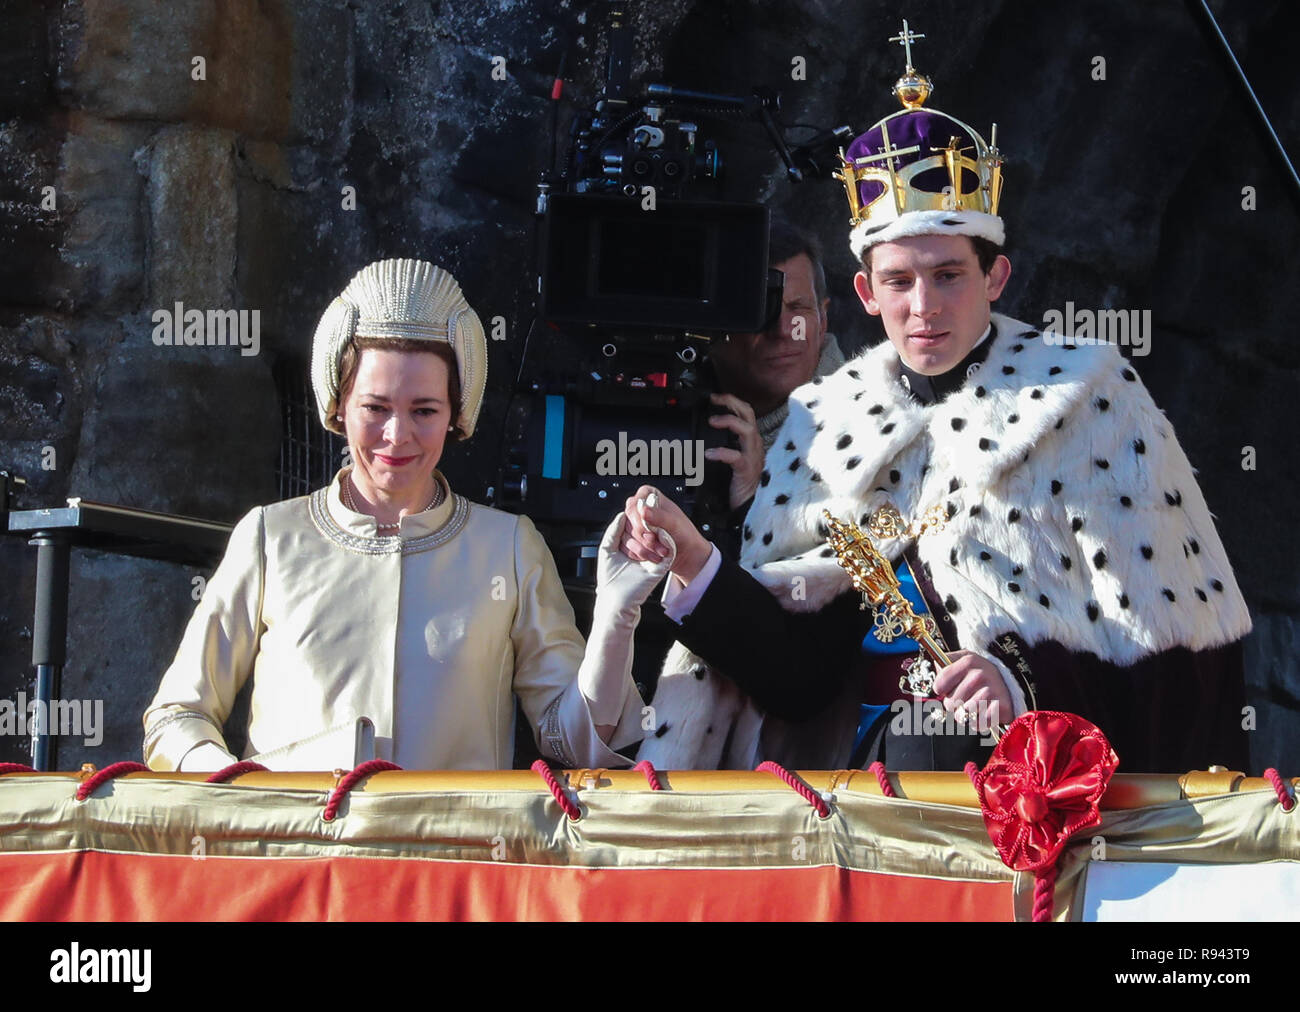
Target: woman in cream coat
<point>390,597</point>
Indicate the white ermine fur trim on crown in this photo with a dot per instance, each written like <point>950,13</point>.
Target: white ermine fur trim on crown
<point>401,299</point>
<point>972,223</point>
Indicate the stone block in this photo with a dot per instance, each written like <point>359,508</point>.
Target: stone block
<point>192,217</point>
<point>25,75</point>
<point>133,60</point>
<point>43,380</point>
<point>180,430</point>
<point>40,388</point>
<point>321,74</point>
<point>100,195</point>
<point>295,253</point>
<point>30,230</point>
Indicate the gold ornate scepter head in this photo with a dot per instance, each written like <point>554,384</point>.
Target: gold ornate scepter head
<point>873,575</point>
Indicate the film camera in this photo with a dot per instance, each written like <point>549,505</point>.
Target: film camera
<point>641,263</point>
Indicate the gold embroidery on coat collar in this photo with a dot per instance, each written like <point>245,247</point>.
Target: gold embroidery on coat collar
<point>389,544</point>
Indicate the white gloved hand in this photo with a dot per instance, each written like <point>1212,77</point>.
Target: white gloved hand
<point>622,586</point>
<point>621,583</point>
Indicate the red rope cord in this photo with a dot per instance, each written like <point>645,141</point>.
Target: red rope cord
<point>14,768</point>
<point>1044,894</point>
<point>1044,881</point>
<point>350,781</point>
<point>882,778</point>
<point>1284,796</point>
<point>802,789</point>
<point>235,770</point>
<point>648,768</point>
<point>544,771</point>
<point>87,787</point>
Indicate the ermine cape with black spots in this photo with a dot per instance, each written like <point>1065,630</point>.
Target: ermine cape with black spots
<point>1074,517</point>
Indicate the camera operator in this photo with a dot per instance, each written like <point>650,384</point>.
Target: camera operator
<point>756,373</point>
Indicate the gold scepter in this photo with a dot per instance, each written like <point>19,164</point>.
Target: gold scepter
<point>874,577</point>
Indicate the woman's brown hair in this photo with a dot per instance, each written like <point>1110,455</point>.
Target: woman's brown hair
<point>351,359</point>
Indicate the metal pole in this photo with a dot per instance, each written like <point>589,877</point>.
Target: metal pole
<point>49,640</point>
<point>1250,92</point>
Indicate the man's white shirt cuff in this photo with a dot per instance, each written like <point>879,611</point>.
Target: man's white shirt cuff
<point>680,598</point>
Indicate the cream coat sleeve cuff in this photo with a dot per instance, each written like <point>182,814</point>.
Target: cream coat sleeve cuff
<point>572,739</point>
<point>206,757</point>
<point>174,733</point>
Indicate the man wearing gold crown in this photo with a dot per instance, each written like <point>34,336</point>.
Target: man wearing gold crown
<point>1047,521</point>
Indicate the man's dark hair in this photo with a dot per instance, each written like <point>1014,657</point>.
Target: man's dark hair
<point>785,241</point>
<point>986,251</point>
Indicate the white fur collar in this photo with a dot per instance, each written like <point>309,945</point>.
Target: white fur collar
<point>1048,456</point>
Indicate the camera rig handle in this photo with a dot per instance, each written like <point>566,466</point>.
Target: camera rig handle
<point>760,105</point>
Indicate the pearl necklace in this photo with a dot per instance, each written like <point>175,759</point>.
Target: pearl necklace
<point>347,501</point>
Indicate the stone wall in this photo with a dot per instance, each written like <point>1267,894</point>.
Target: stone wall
<point>229,192</point>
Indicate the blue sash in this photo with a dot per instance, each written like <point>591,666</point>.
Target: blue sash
<point>903,644</point>
<point>870,713</point>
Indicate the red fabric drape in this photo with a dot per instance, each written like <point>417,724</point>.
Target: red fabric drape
<point>94,886</point>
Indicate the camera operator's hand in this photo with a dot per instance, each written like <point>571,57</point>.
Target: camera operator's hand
<point>747,462</point>
<point>648,509</point>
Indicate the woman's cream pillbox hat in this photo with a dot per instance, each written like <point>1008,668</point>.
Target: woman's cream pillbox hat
<point>400,299</point>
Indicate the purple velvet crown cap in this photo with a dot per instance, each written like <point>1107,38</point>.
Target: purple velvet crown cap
<point>927,129</point>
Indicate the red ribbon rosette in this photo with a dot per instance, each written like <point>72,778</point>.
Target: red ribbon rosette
<point>1042,785</point>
